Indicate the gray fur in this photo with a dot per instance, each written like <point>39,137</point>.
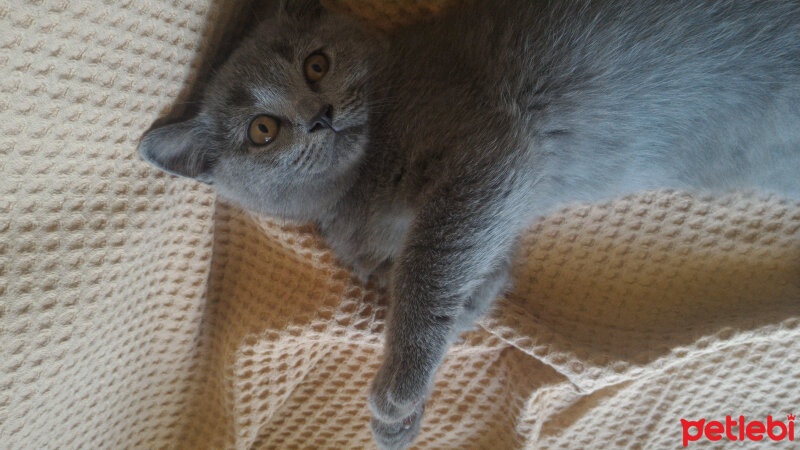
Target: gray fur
<point>457,132</point>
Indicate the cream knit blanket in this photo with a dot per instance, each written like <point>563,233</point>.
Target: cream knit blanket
<point>138,311</point>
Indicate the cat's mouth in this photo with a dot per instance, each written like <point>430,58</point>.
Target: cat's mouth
<point>348,132</point>
<point>339,126</point>
<point>336,129</point>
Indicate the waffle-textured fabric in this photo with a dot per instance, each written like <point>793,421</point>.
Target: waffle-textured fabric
<point>139,311</point>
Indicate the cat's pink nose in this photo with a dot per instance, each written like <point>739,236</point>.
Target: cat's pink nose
<point>321,120</point>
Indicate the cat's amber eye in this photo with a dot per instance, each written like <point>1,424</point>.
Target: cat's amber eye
<point>262,130</point>
<point>316,66</point>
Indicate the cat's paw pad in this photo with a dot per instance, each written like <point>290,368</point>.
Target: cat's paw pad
<point>400,434</point>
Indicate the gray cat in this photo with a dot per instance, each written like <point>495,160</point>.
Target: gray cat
<point>421,154</point>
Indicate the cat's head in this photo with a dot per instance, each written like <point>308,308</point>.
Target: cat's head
<point>285,117</point>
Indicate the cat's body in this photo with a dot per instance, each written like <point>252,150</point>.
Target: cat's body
<point>582,124</point>
<point>447,138</point>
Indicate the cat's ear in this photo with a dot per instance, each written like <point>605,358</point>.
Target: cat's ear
<point>301,9</point>
<point>180,148</point>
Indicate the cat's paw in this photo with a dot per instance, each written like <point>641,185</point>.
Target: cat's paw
<point>397,401</point>
<point>396,394</point>
<point>397,435</point>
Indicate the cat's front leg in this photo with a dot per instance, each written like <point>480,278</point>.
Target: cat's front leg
<point>456,250</point>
